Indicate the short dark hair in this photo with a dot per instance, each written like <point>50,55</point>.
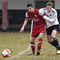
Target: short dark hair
<point>49,4</point>
<point>29,5</point>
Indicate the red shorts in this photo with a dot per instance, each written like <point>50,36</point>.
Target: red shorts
<point>37,30</point>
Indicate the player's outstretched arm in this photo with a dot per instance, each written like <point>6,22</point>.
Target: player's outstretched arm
<point>24,24</point>
<point>49,19</point>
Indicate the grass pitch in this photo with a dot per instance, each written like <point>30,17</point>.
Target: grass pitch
<point>18,42</point>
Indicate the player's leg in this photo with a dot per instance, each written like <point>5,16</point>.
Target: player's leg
<point>39,43</point>
<point>51,36</point>
<point>33,37</point>
<point>51,41</point>
<point>32,42</point>
<point>55,41</point>
<point>41,33</point>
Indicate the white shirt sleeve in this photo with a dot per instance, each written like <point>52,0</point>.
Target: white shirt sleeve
<point>41,12</point>
<point>26,15</point>
<point>53,17</point>
<point>49,19</point>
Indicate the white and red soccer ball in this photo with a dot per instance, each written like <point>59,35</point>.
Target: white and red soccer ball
<point>6,53</point>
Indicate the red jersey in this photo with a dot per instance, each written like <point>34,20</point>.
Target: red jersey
<point>37,19</point>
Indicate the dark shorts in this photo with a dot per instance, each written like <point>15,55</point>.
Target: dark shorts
<point>50,29</point>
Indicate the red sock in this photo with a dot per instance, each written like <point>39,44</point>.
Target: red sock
<point>39,45</point>
<point>33,47</point>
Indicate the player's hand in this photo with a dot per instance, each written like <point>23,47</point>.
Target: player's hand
<point>48,25</point>
<point>21,30</point>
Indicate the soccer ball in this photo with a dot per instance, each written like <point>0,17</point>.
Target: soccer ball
<point>6,53</point>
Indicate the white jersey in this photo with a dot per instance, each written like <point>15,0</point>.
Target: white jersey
<point>52,16</point>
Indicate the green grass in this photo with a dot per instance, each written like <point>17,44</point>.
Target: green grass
<point>17,42</point>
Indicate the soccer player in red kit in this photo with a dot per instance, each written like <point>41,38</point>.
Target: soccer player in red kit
<point>38,28</point>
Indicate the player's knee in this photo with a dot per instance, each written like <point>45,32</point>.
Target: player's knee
<point>32,40</point>
<point>40,37</point>
<point>53,36</point>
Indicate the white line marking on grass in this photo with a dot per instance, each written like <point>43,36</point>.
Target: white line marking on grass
<point>20,53</point>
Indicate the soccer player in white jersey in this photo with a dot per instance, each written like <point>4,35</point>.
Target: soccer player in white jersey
<point>52,24</point>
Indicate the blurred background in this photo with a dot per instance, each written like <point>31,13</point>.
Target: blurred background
<point>12,13</point>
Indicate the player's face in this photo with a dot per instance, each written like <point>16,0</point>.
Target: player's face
<point>49,8</point>
<point>31,9</point>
